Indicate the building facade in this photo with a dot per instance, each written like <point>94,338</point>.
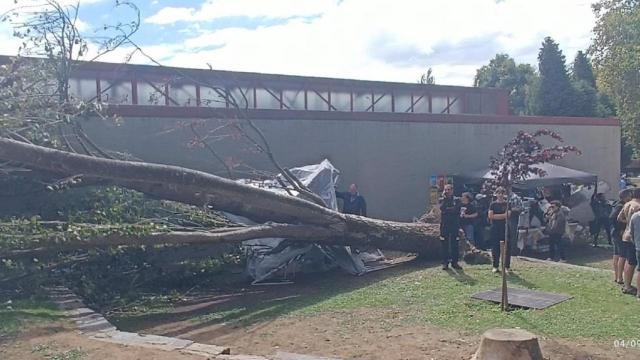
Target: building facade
<point>389,138</point>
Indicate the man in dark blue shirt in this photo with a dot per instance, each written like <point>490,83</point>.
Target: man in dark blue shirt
<point>352,201</point>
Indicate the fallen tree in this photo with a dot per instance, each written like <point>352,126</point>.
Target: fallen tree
<point>282,215</point>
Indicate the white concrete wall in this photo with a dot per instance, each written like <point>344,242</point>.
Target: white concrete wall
<point>390,161</point>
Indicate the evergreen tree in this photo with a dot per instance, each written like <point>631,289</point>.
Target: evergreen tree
<point>589,101</point>
<point>582,70</point>
<point>554,94</point>
<point>585,99</point>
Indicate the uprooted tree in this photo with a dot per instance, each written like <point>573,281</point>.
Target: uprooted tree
<point>42,138</point>
<point>281,215</point>
<point>41,133</point>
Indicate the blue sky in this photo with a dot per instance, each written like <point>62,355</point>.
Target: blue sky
<point>389,40</point>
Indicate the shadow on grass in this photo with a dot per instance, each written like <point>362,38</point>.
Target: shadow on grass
<point>586,255</point>
<point>217,314</point>
<point>583,255</point>
<point>462,277</point>
<point>517,280</point>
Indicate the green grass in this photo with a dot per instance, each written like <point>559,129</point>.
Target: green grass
<point>430,296</point>
<point>586,255</point>
<point>50,351</point>
<point>17,314</point>
<point>597,310</point>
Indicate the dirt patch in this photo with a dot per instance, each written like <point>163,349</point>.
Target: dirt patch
<point>373,335</point>
<point>59,338</point>
<point>258,320</point>
<point>356,335</point>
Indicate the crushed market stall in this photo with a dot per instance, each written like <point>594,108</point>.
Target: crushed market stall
<point>278,259</point>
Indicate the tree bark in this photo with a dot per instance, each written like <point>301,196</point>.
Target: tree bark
<point>218,236</point>
<point>291,217</point>
<point>508,344</point>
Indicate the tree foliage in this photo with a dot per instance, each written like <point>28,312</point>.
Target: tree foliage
<point>616,57</point>
<point>518,158</point>
<point>582,69</point>
<point>427,78</point>
<point>589,100</point>
<point>553,94</point>
<point>502,72</point>
<point>35,99</point>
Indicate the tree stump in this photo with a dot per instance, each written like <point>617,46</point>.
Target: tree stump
<point>508,344</point>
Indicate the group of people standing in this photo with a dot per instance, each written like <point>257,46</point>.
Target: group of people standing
<point>463,214</point>
<point>625,218</point>
<point>620,222</point>
<point>457,214</point>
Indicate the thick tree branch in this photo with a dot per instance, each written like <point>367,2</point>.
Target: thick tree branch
<point>300,219</point>
<point>220,236</point>
<point>221,193</point>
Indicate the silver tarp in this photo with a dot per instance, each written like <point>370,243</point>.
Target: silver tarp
<point>278,258</point>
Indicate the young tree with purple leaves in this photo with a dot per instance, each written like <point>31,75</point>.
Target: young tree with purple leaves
<point>518,160</point>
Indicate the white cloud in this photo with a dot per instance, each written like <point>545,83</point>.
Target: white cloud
<point>170,15</point>
<point>8,44</point>
<point>380,40</point>
<point>373,39</point>
<point>216,9</point>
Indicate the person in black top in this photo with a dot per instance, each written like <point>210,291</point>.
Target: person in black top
<point>468,217</point>
<point>482,205</point>
<point>601,211</point>
<point>616,235</point>
<point>498,217</point>
<point>449,228</point>
<point>352,201</point>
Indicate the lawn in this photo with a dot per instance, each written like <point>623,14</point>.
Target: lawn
<point>422,294</point>
<point>431,296</point>
<point>416,308</point>
<point>17,314</point>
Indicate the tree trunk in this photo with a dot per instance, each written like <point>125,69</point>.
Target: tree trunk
<point>508,344</point>
<point>292,217</point>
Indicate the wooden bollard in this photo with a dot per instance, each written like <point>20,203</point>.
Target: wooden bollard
<point>508,344</point>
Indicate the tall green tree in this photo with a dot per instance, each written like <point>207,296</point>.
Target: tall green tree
<point>582,70</point>
<point>503,72</point>
<point>589,100</point>
<point>553,94</point>
<point>585,99</point>
<point>616,58</point>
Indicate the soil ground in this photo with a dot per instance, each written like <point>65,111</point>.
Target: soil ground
<point>262,320</point>
<point>58,341</point>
